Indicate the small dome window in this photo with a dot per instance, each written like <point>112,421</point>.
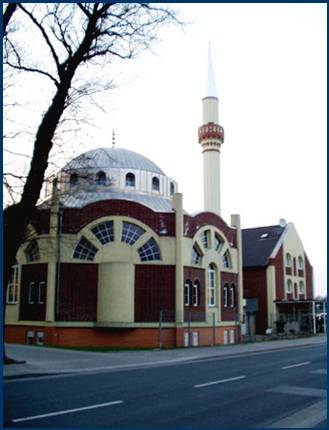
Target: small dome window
<point>74,179</point>
<point>130,180</point>
<point>172,188</point>
<point>155,183</point>
<point>101,178</point>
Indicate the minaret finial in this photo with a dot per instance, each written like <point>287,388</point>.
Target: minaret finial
<point>211,84</point>
<point>113,138</point>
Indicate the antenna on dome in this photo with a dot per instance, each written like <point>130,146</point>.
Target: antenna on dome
<point>113,138</point>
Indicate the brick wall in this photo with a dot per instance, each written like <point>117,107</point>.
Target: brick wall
<point>254,286</point>
<point>32,276</point>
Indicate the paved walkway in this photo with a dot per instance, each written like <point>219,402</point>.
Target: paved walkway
<point>42,360</point>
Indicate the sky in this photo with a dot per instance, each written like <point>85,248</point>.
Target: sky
<point>270,63</point>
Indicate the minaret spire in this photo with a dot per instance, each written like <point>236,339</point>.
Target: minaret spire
<point>211,137</point>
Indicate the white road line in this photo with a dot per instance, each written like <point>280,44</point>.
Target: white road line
<point>220,381</point>
<point>68,411</point>
<point>296,365</point>
<point>320,371</point>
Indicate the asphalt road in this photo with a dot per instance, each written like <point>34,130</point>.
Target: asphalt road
<point>285,388</point>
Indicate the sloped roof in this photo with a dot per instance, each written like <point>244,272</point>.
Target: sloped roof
<point>258,244</point>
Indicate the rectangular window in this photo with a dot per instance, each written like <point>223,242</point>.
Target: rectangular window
<point>41,293</point>
<point>11,295</point>
<point>211,289</point>
<point>232,297</point>
<point>196,294</point>
<point>187,294</point>
<point>31,293</point>
<point>225,297</point>
<point>40,337</point>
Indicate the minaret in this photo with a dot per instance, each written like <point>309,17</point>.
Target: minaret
<point>211,137</point>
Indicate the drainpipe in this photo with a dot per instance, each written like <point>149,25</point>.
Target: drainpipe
<point>58,259</point>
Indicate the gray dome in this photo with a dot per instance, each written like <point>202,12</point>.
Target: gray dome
<point>104,158</point>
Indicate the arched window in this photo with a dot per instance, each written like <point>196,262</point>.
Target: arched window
<point>104,232</point>
<point>131,233</point>
<point>74,178</point>
<point>85,250</point>
<point>149,251</point>
<point>301,287</point>
<point>225,295</point>
<point>219,242</point>
<point>205,238</point>
<point>130,180</point>
<point>300,263</point>
<point>32,252</point>
<point>187,292</point>
<point>155,183</point>
<point>172,188</point>
<point>11,294</point>
<point>196,255</point>
<point>101,178</point>
<point>211,277</point>
<point>288,260</point>
<point>232,296</point>
<point>289,286</point>
<point>196,293</point>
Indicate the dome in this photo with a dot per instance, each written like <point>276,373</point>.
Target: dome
<point>105,158</point>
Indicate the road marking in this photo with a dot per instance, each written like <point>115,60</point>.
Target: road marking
<point>299,391</point>
<point>222,381</point>
<point>305,363</point>
<point>68,411</point>
<point>320,371</point>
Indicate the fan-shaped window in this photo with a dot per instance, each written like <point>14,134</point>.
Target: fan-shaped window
<point>149,251</point>
<point>288,260</point>
<point>155,183</point>
<point>289,286</point>
<point>205,238</point>
<point>219,242</point>
<point>131,233</point>
<point>85,250</point>
<point>130,180</point>
<point>32,252</point>
<point>104,232</point>
<point>211,276</point>
<point>301,287</point>
<point>11,294</point>
<point>226,260</point>
<point>101,178</point>
<point>172,188</point>
<point>74,178</point>
<point>187,292</point>
<point>196,255</point>
<point>300,263</point>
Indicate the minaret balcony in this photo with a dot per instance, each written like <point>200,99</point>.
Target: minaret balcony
<point>211,131</point>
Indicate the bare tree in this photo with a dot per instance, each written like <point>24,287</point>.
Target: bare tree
<point>75,36</point>
<point>7,15</point>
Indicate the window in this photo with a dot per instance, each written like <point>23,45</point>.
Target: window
<point>11,295</point>
<point>40,338</point>
<point>130,180</point>
<point>218,242</point>
<point>289,286</point>
<point>32,252</point>
<point>31,292</point>
<point>288,260</point>
<point>211,274</point>
<point>225,301</point>
<point>301,287</point>
<point>196,294</point>
<point>104,232</point>
<point>74,179</point>
<point>300,263</point>
<point>149,251</point>
<point>264,236</point>
<point>131,233</point>
<point>226,260</point>
<point>41,293</point>
<point>155,183</point>
<point>232,295</point>
<point>204,237</point>
<point>85,250</point>
<point>196,255</point>
<point>101,178</point>
<point>172,188</point>
<point>187,292</point>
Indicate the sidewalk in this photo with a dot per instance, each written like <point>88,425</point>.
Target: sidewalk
<point>42,360</point>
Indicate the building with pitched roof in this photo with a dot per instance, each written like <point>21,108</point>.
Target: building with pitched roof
<point>277,272</point>
<point>112,259</point>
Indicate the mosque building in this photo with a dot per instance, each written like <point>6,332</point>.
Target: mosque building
<point>113,260</point>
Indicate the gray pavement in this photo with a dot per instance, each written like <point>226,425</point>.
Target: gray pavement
<point>42,360</point>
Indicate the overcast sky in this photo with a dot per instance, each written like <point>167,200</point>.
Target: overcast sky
<point>270,70</point>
